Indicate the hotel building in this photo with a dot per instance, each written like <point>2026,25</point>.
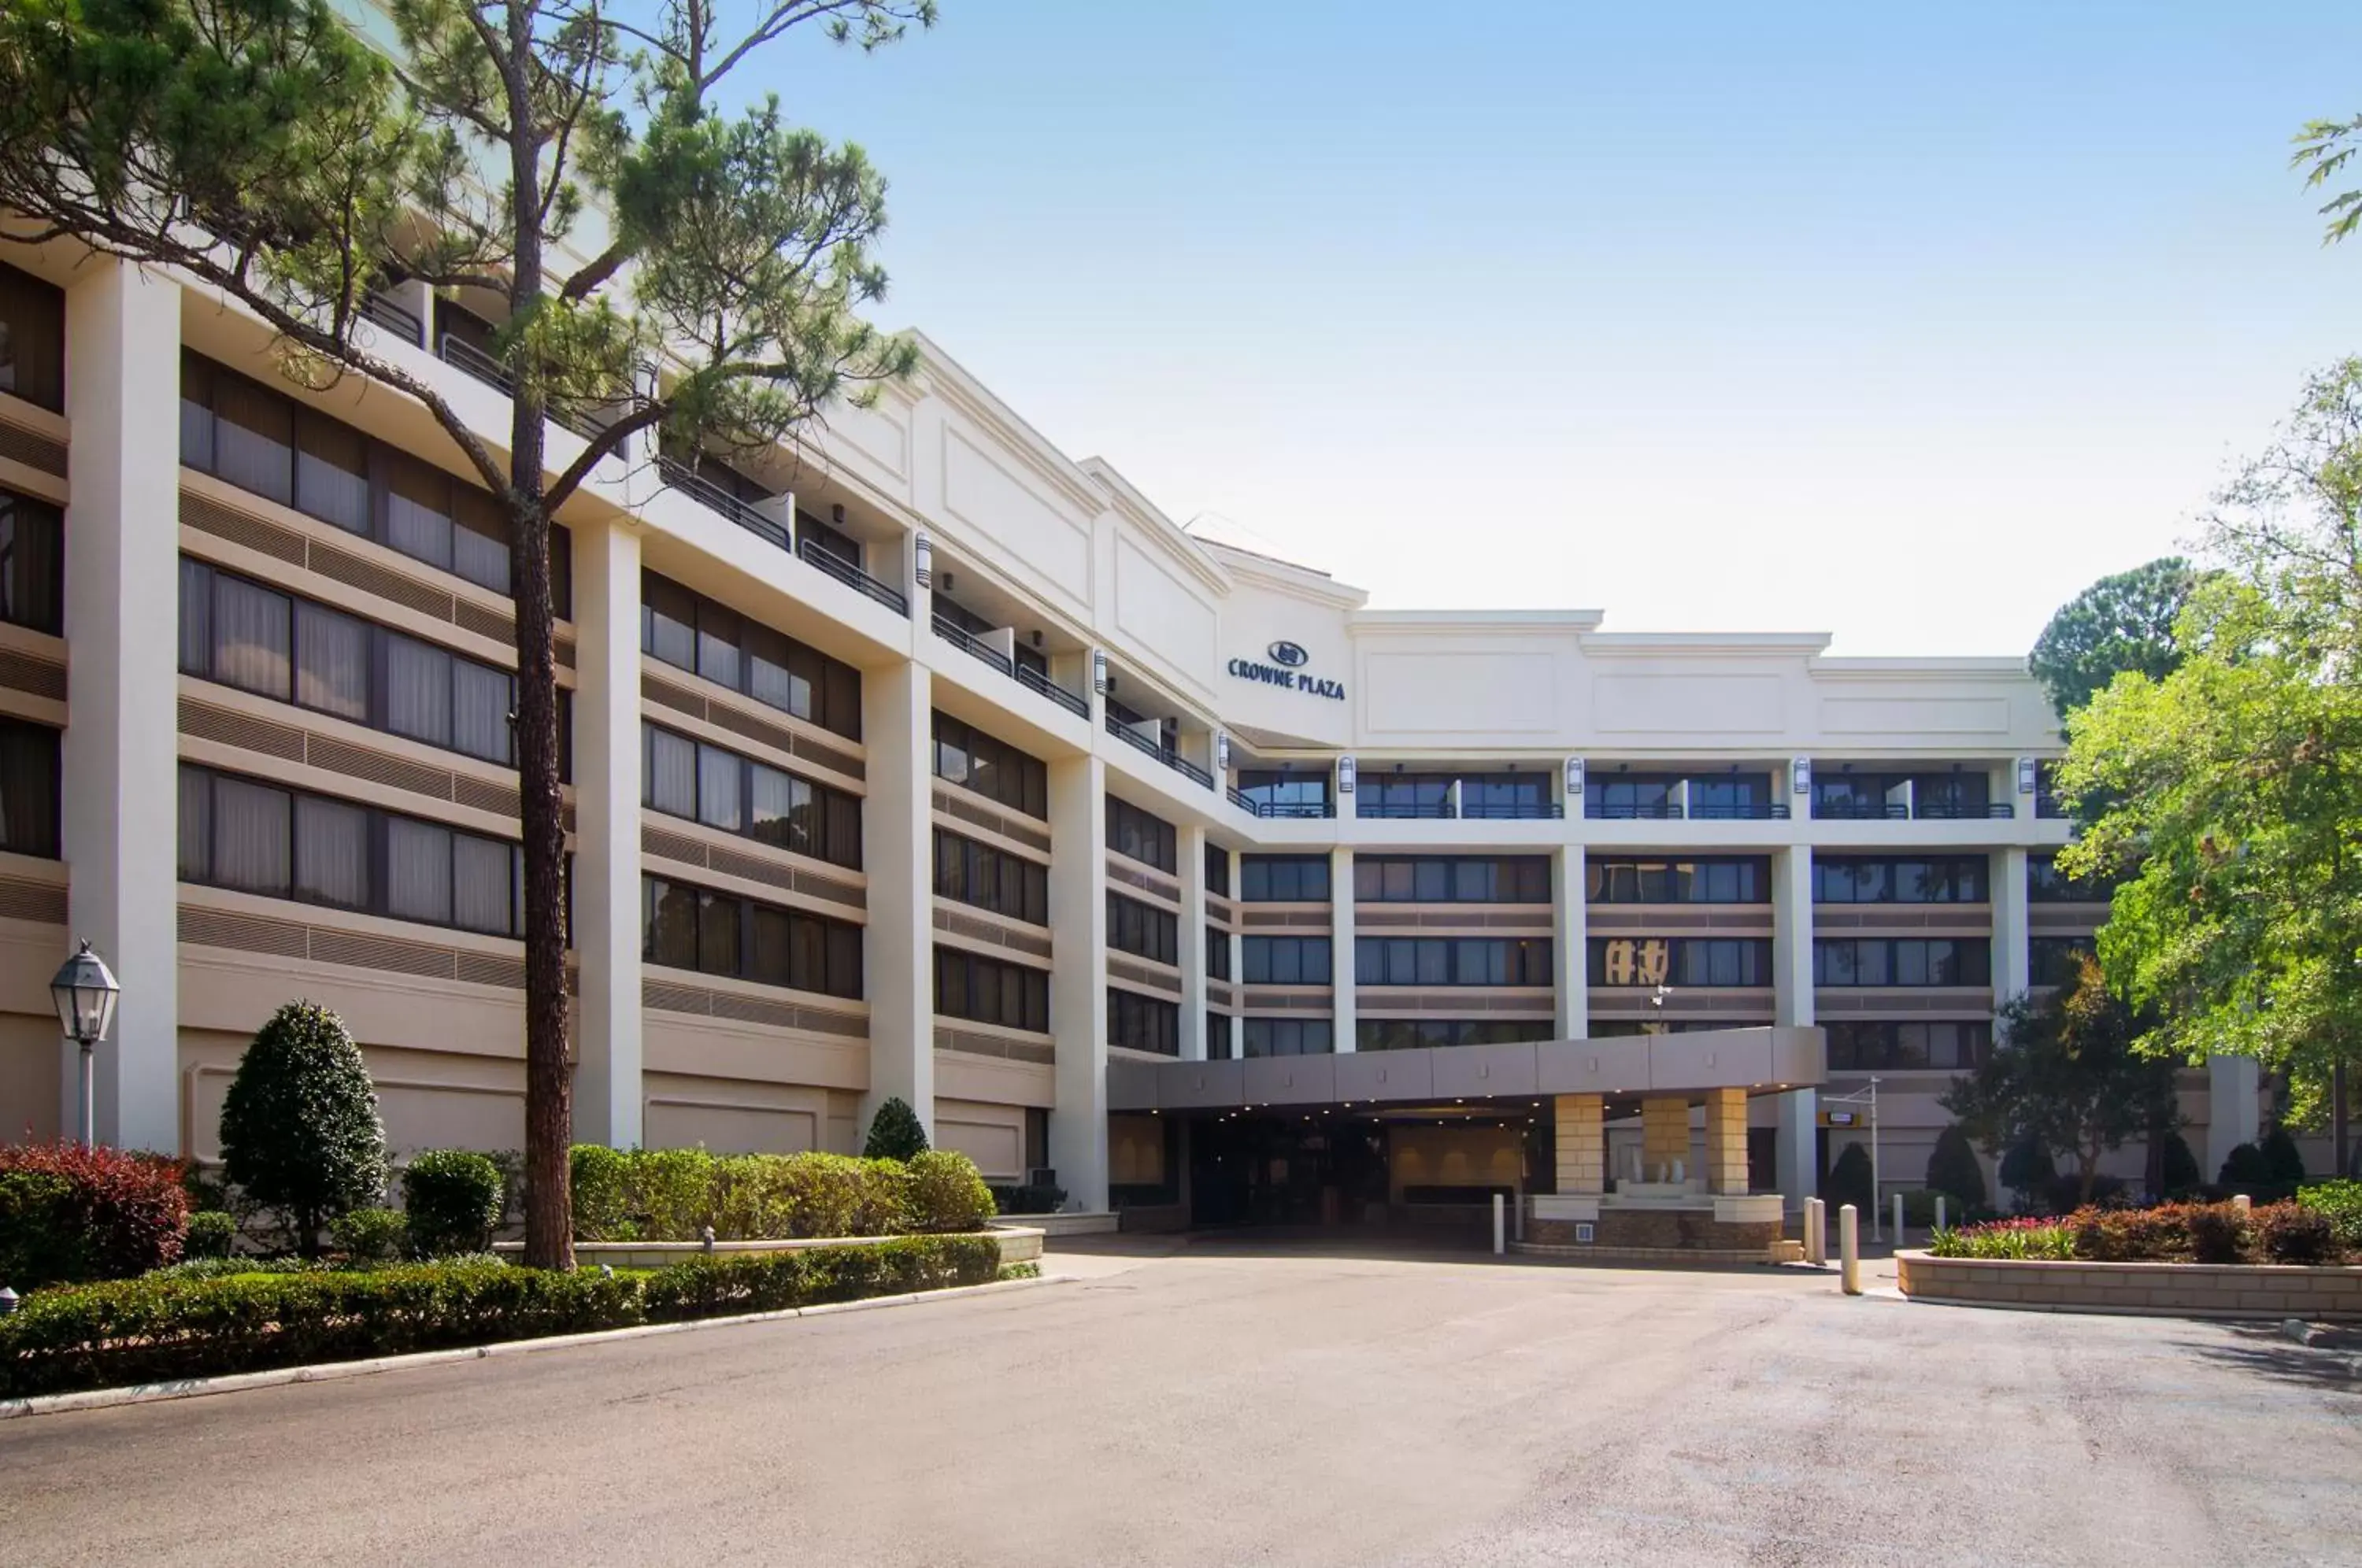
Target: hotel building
<point>928,762</point>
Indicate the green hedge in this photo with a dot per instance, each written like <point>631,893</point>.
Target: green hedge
<point>672,1195</point>
<point>165,1329</point>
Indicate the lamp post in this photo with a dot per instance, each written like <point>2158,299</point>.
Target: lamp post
<point>84,992</point>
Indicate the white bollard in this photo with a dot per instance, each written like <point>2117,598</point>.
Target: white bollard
<point>1500,1227</point>
<point>1849,1251</point>
<point>1816,1231</point>
<point>1939,1212</point>
<point>1898,1218</point>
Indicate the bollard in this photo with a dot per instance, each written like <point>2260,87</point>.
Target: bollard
<point>2240,1201</point>
<point>1898,1218</point>
<point>1816,1231</point>
<point>1500,1245</point>
<point>1940,1211</point>
<point>1849,1251</point>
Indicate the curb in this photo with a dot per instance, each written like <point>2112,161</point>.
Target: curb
<point>339,1371</point>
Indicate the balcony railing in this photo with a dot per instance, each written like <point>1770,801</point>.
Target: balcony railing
<point>822,558</point>
<point>1166,754</point>
<point>1633,811</point>
<point>1070,701</point>
<point>2046,804</point>
<point>713,498</point>
<point>465,356</point>
<point>1283,809</point>
<point>1443,811</point>
<point>1841,811</point>
<point>395,319</point>
<point>1741,812</point>
<point>952,631</point>
<point>1963,810</point>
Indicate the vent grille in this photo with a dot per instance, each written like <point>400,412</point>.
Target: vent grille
<point>665,997</point>
<point>205,721</point>
<point>1132,875</point>
<point>26,673</point>
<point>483,969</point>
<point>1300,920</point>
<point>1260,1000</point>
<point>664,693</point>
<point>34,451</point>
<point>969,1044</point>
<point>395,773</point>
<point>813,885</point>
<point>844,762</point>
<point>1220,994</point>
<point>384,953</point>
<point>1654,920</point>
<point>722,717</point>
<point>1146,975</point>
<point>1537,1004</point>
<point>37,901</point>
<point>247,933</point>
<point>562,650</point>
<point>958,803</point>
<point>470,617</point>
<point>967,925</point>
<point>1525,923</point>
<point>671,846</point>
<point>370,578</point>
<point>227,726</point>
<point>208,516</point>
<point>1973,920</point>
<point>485,797</point>
<point>1966,1003</point>
<point>324,944</point>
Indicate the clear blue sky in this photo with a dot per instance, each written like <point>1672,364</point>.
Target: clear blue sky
<point>1902,322</point>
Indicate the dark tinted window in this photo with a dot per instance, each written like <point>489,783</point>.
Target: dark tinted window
<point>32,339</point>
<point>1283,878</point>
<point>1414,1034</point>
<point>1143,1024</point>
<point>709,784</point>
<point>1286,1037</point>
<point>1616,879</point>
<point>989,879</point>
<point>1284,960</point>
<point>986,991</point>
<point>1649,961</point>
<point>993,769</point>
<point>1141,836</point>
<point>688,927</point>
<point>1955,879</point>
<point>1453,961</point>
<point>690,631</point>
<point>32,563</point>
<point>1902,961</point>
<point>1142,929</point>
<point>28,788</point>
<point>1464,880</point>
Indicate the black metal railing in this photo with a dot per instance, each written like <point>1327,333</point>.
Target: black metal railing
<point>1512,812</point>
<point>1070,701</point>
<point>1841,811</point>
<point>394,318</point>
<point>1962,811</point>
<point>466,357</point>
<point>1665,811</point>
<point>1166,754</point>
<point>1443,811</point>
<point>679,476</point>
<point>821,556</point>
<point>1741,812</point>
<point>2046,804</point>
<point>1283,809</point>
<point>953,633</point>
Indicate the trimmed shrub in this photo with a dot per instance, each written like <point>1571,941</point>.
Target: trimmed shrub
<point>299,1127</point>
<point>1849,1180</point>
<point>2243,1170</point>
<point>2182,1175</point>
<point>672,1195</point>
<point>2292,1233</point>
<point>211,1234</point>
<point>770,1282</point>
<point>2219,1233</point>
<point>452,1198</point>
<point>1027,1198</point>
<point>895,1133</point>
<point>1953,1170</point>
<point>947,1193</point>
<point>71,1212</point>
<point>601,1177</point>
<point>2132,1235</point>
<point>368,1235</point>
<point>2342,1202</point>
<point>2283,1166</point>
<point>2027,1168</point>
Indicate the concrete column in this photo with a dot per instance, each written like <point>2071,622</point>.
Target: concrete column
<point>1726,1140</point>
<point>119,753</point>
<point>1340,946</point>
<point>898,854</point>
<point>1571,958</point>
<point>1799,1110</point>
<point>608,1100</point>
<point>1192,947</point>
<point>1664,1136</point>
<point>1078,1129</point>
<point>1582,1144</point>
<point>2233,1109</point>
<point>2013,964</point>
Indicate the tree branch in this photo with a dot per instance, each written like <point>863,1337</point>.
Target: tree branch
<point>604,444</point>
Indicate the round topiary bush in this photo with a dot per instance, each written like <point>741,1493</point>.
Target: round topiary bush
<point>947,1193</point>
<point>299,1128</point>
<point>212,1233</point>
<point>895,1133</point>
<point>453,1199</point>
<point>1953,1170</point>
<point>2182,1175</point>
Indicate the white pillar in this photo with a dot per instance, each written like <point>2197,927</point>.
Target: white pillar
<point>1078,1129</point>
<point>2012,968</point>
<point>1571,958</point>
<point>120,751</point>
<point>608,1098</point>
<point>1798,1113</point>
<point>1340,949</point>
<point>1192,947</point>
<point>2233,1111</point>
<point>898,852</point>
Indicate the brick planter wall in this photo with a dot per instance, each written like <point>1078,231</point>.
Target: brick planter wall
<point>2176,1290</point>
<point>1670,1230</point>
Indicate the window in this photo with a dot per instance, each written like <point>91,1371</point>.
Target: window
<point>1877,1046</point>
<point>2045,884</point>
<point>1950,795</point>
<point>988,878</point>
<point>1217,871</point>
<point>968,757</point>
<point>1906,961</point>
<point>986,991</point>
<point>687,927</point>
<point>1141,836</point>
<point>1143,1024</point>
<point>1628,796</point>
<point>286,844</point>
<point>1219,1045</point>
<point>1619,962</point>
<point>1509,795</point>
<point>708,784</point>
<point>1143,930</point>
<point>1417,1033</point>
<point>1452,961</point>
<point>1951,880</point>
<point>1283,878</point>
<point>32,339</point>
<point>1730,797</point>
<point>2057,960</point>
<point>1699,881</point>
<point>1442,879</point>
<point>242,432</point>
<point>32,559</point>
<point>693,633</point>
<point>835,541</point>
<point>258,639</point>
<point>1284,792</point>
<point>28,788</point>
<point>1857,795</point>
<point>1284,960</point>
<point>1218,954</point>
<point>1286,1037</point>
<point>1403,794</point>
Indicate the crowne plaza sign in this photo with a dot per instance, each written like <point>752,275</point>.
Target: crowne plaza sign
<point>1286,670</point>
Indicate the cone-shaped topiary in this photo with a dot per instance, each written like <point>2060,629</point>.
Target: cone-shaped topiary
<point>1849,1180</point>
<point>895,1133</point>
<point>2182,1175</point>
<point>2283,1166</point>
<point>1952,1169</point>
<point>299,1128</point>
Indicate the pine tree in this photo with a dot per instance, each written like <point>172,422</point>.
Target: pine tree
<point>895,1133</point>
<point>299,1127</point>
<point>1952,1169</point>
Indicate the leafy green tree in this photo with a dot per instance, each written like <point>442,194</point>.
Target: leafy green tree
<point>1952,1168</point>
<point>895,1133</point>
<point>2066,1077</point>
<point>671,272</point>
<point>299,1127</point>
<point>2120,623</point>
<point>2227,797</point>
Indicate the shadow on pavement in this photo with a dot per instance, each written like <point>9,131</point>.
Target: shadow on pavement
<point>2261,1350</point>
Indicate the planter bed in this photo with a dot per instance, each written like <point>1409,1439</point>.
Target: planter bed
<point>2155,1289</point>
<point>1019,1243</point>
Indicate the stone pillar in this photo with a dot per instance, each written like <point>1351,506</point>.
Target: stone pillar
<point>119,753</point>
<point>1341,948</point>
<point>1799,1110</point>
<point>2233,1110</point>
<point>1725,1140</point>
<point>1571,954</point>
<point>898,854</point>
<point>1582,1145</point>
<point>1191,949</point>
<point>1078,1123</point>
<point>2012,966</point>
<point>1664,1136</point>
<point>608,1098</point>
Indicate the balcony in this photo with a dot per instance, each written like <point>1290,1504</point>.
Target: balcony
<point>2046,804</point>
<point>1444,811</point>
<point>1741,812</point>
<point>1845,811</point>
<point>1169,757</point>
<point>393,318</point>
<point>1963,810</point>
<point>1025,675</point>
<point>1665,811</point>
<point>679,476</point>
<point>823,559</point>
<point>952,632</point>
<point>1070,701</point>
<point>1283,809</point>
<point>465,356</point>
